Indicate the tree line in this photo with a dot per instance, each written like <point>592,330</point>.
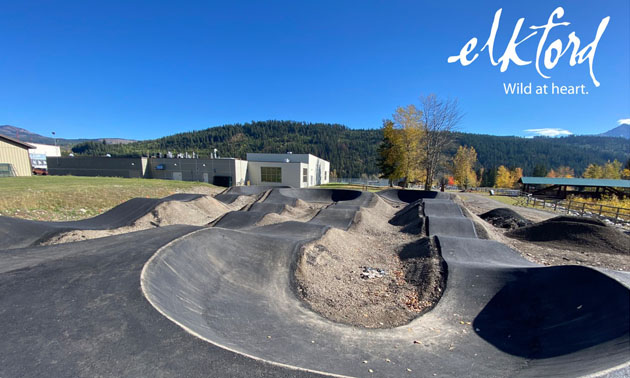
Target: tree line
<point>466,172</point>
<point>354,152</point>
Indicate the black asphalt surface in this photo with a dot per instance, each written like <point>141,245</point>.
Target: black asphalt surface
<point>77,310</point>
<point>213,296</point>
<point>409,196</point>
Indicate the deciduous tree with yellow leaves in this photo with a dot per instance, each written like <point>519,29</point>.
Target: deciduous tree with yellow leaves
<point>402,152</point>
<point>507,178</point>
<point>415,141</point>
<point>611,170</point>
<point>463,166</point>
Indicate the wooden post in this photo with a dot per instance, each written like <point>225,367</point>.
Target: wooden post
<point>617,215</point>
<point>568,206</point>
<point>583,205</point>
<point>544,203</point>
<point>555,206</point>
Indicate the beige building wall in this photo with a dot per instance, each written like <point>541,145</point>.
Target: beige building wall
<point>17,156</point>
<point>291,173</point>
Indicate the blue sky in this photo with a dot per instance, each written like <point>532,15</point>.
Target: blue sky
<point>145,69</point>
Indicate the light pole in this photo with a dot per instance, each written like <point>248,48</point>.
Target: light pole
<point>54,138</point>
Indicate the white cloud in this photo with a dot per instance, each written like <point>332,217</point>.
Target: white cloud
<point>549,132</point>
<point>624,121</point>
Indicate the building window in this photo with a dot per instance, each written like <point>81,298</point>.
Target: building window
<point>305,175</point>
<point>270,174</point>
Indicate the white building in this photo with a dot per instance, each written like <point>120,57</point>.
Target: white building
<point>295,170</point>
<point>40,152</point>
<point>44,149</point>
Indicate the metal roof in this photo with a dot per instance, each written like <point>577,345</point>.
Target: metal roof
<point>575,182</point>
<point>16,141</point>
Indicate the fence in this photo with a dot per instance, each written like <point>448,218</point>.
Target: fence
<point>367,182</point>
<point>615,214</point>
<point>500,191</point>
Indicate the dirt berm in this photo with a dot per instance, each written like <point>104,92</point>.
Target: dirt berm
<point>582,234</point>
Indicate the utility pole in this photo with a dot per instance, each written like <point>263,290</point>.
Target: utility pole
<point>55,139</point>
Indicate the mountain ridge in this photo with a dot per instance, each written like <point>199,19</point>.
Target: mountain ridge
<point>30,137</point>
<point>621,131</point>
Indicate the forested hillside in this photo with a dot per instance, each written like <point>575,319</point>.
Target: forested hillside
<point>353,152</point>
<point>576,152</point>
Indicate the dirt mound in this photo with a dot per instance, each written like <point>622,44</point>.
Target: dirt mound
<point>408,214</point>
<point>373,220</point>
<point>581,234</point>
<point>505,218</point>
<point>242,201</point>
<point>426,270</point>
<point>273,218</point>
<point>411,217</point>
<point>379,204</point>
<point>370,276</point>
<point>197,212</point>
<point>303,211</point>
<point>566,218</point>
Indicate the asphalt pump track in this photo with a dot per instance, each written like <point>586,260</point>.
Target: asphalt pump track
<point>226,304</point>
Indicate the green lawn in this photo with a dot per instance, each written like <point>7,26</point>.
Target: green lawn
<point>69,197</point>
<point>507,200</point>
<point>352,187</point>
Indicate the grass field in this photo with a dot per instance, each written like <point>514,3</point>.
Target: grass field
<point>57,198</point>
<point>507,200</point>
<point>352,186</point>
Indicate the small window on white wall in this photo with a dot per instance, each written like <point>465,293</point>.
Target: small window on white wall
<point>305,175</point>
<point>325,175</point>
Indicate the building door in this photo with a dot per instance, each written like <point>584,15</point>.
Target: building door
<point>205,177</point>
<point>177,176</point>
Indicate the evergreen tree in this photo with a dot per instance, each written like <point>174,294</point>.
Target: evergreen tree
<point>540,170</point>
